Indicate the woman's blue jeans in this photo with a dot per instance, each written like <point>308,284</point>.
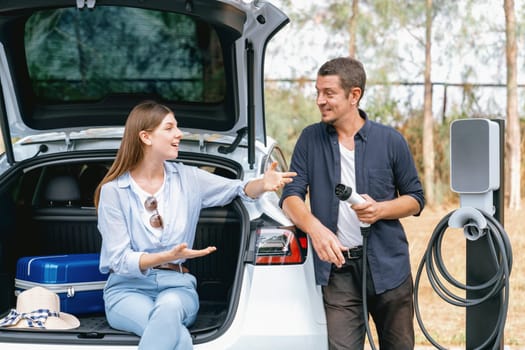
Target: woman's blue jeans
<point>158,308</point>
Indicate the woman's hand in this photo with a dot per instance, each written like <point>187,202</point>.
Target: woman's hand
<point>271,181</point>
<point>181,251</point>
<point>274,180</point>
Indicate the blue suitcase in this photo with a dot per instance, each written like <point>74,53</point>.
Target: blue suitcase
<point>74,277</point>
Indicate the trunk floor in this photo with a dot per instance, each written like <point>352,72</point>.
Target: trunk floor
<point>211,316</point>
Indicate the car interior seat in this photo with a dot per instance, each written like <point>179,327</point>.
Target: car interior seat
<point>62,191</point>
<point>89,178</point>
<point>63,226</point>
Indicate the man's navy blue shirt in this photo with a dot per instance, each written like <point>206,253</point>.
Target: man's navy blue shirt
<point>384,169</point>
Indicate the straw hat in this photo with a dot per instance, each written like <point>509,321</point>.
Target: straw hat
<point>37,300</point>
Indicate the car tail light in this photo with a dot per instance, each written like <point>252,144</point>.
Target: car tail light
<point>280,246</point>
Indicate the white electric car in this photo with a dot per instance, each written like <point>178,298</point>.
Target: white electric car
<point>70,72</point>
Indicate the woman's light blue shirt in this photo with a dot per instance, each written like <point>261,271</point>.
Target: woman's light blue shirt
<point>125,236</point>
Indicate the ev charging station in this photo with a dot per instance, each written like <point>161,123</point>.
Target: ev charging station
<point>477,175</point>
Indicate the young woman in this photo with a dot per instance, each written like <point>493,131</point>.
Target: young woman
<point>148,211</point>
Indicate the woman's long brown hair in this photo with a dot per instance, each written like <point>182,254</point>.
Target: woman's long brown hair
<point>146,116</point>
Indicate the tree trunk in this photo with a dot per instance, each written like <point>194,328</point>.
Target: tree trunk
<point>352,25</point>
<point>428,120</point>
<point>513,142</point>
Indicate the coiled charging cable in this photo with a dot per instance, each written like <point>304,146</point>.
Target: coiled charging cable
<point>476,224</point>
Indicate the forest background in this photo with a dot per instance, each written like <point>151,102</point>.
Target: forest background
<point>428,63</point>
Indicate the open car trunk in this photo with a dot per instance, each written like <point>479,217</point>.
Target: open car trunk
<point>34,225</point>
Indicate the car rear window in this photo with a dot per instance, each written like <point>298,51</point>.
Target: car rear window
<point>75,55</point>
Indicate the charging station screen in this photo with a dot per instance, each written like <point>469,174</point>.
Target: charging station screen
<point>473,156</point>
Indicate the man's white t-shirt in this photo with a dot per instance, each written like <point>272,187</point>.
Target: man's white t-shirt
<point>348,229</point>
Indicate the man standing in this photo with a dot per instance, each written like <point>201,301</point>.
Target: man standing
<point>374,160</point>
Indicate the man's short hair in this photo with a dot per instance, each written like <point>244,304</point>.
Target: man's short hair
<point>350,71</point>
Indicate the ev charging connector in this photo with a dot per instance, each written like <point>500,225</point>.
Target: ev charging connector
<point>346,194</point>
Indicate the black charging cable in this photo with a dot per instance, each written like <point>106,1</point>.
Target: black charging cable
<point>501,256</point>
<point>365,231</point>
<point>346,194</point>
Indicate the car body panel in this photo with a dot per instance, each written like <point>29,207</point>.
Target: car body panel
<point>267,324</point>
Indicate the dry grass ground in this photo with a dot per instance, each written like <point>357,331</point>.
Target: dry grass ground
<point>445,322</point>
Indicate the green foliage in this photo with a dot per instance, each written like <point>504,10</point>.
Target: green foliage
<point>382,105</point>
<point>288,111</point>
